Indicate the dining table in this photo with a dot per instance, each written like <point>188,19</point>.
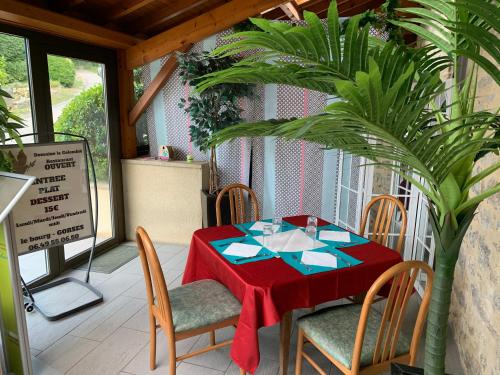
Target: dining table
<point>269,290</point>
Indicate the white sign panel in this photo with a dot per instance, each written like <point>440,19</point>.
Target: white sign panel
<point>56,209</point>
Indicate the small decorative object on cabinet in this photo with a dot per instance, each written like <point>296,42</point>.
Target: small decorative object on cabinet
<point>166,152</point>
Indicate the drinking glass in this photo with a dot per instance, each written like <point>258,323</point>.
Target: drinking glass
<point>277,224</point>
<point>267,232</point>
<point>311,232</point>
<point>312,221</point>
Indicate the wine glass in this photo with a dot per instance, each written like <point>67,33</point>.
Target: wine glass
<point>312,221</point>
<point>277,224</point>
<point>311,232</point>
<point>267,232</point>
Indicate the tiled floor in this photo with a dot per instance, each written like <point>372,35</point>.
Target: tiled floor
<point>112,338</point>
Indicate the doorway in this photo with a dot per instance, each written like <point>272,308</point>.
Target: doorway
<point>62,86</point>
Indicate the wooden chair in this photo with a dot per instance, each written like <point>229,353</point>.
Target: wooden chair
<point>189,310</point>
<point>383,219</point>
<point>237,203</point>
<point>378,339</point>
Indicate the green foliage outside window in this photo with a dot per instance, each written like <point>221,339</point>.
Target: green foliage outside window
<point>85,115</point>
<point>12,50</point>
<point>62,70</point>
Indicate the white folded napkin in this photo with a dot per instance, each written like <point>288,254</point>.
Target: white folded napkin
<point>290,241</point>
<point>259,226</point>
<point>333,235</point>
<point>242,250</point>
<point>313,258</point>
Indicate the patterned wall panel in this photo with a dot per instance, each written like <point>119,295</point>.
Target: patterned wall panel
<point>299,164</point>
<point>287,176</point>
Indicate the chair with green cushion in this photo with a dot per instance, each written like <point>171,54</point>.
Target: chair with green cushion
<point>189,310</point>
<point>358,339</point>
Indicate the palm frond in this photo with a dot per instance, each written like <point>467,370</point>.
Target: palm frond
<point>460,28</point>
<point>314,55</point>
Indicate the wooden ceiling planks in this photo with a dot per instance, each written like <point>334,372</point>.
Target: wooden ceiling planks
<point>173,14</point>
<point>165,25</point>
<point>36,18</point>
<point>146,18</point>
<point>195,29</point>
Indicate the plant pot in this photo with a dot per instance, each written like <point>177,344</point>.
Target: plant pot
<point>208,207</point>
<point>399,369</point>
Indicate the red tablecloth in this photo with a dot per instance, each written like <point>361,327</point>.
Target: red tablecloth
<point>268,289</point>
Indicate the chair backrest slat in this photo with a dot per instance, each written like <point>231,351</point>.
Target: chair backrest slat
<point>386,211</point>
<point>237,203</point>
<point>156,287</point>
<point>402,278</point>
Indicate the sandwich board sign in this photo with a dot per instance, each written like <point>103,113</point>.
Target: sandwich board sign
<point>56,209</point>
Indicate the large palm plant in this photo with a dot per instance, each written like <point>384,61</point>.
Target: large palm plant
<point>388,113</point>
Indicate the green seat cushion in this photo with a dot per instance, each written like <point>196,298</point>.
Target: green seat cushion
<point>334,330</point>
<point>200,304</point>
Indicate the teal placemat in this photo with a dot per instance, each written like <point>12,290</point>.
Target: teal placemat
<point>221,245</point>
<point>355,239</point>
<point>343,261</point>
<point>245,227</point>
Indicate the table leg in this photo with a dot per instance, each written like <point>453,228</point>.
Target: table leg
<point>285,332</point>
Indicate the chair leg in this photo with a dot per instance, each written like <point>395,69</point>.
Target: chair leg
<point>172,356</point>
<point>300,347</point>
<point>212,338</point>
<point>152,342</point>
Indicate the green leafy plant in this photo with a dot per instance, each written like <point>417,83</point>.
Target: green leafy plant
<point>215,108</point>
<point>62,69</point>
<point>85,115</point>
<point>12,49</point>
<point>9,129</point>
<point>388,111</point>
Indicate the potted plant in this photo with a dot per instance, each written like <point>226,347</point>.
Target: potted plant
<point>212,110</point>
<point>9,128</point>
<point>388,111</point>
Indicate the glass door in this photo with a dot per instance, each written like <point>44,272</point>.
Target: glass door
<point>63,86</point>
<point>14,78</point>
<point>78,97</point>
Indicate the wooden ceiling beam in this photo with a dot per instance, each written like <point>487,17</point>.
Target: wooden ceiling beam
<point>155,86</point>
<point>31,17</point>
<point>291,11</point>
<point>196,29</point>
<point>123,8</point>
<point>174,9</point>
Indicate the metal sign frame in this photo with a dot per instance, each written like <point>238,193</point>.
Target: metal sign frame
<point>30,302</point>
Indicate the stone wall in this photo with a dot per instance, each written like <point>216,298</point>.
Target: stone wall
<point>475,311</point>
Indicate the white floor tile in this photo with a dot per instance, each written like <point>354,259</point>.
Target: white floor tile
<point>104,322</point>
<point>140,364</point>
<point>216,359</point>
<point>266,367</point>
<point>139,321</point>
<point>189,369</point>
<point>110,356</point>
<point>66,352</point>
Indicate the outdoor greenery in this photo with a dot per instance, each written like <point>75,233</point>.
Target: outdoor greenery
<point>215,108</point>
<point>62,70</point>
<point>9,125</point>
<point>13,66</point>
<point>389,110</point>
<point>12,52</point>
<point>85,115</point>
